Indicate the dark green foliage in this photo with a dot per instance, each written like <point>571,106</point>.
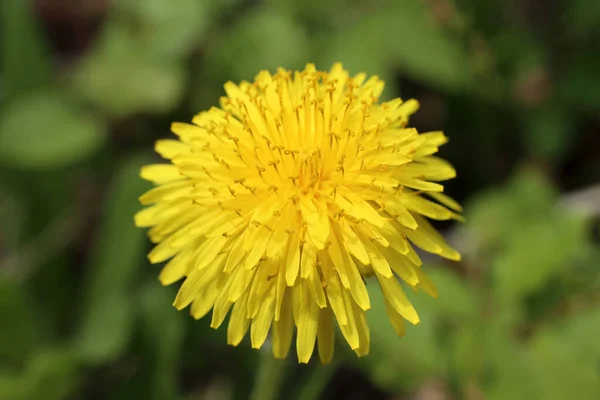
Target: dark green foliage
<point>86,88</point>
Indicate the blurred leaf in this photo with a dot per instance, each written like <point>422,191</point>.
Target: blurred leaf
<point>123,78</point>
<point>458,318</point>
<point>317,382</point>
<point>493,215</point>
<point>550,134</point>
<point>399,35</point>
<point>456,297</point>
<point>422,49</point>
<point>25,57</point>
<point>349,46</point>
<point>509,368</point>
<point>163,328</point>
<point>581,332</point>
<point>262,39</point>
<point>534,253</point>
<point>580,84</point>
<point>21,331</point>
<point>106,330</point>
<point>44,130</point>
<point>466,353</point>
<point>119,252</point>
<point>167,31</point>
<point>315,10</point>
<point>401,362</point>
<point>51,374</point>
<point>582,17</point>
<point>13,214</point>
<point>560,373</point>
<point>124,84</point>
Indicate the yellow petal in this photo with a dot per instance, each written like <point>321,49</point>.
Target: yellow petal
<point>326,335</point>
<point>169,148</point>
<point>166,192</point>
<point>177,268</point>
<point>307,323</point>
<point>355,245</point>
<point>258,249</point>
<point>425,207</point>
<point>262,322</point>
<point>358,290</point>
<point>161,252</point>
<point>378,261</point>
<point>396,209</point>
<point>446,200</point>
<point>317,222</point>
<point>395,318</point>
<point>402,266</point>
<point>221,307</point>
<point>292,265</point>
<point>395,295</point>
<point>280,289</point>
<point>241,279</point>
<point>419,184</point>
<point>349,328</point>
<point>206,300</point>
<point>283,330</point>
<point>161,173</point>
<point>236,254</point>
<point>426,284</point>
<point>309,258</point>
<point>334,289</point>
<point>209,250</point>
<point>196,281</point>
<point>238,323</point>
<point>316,289</point>
<point>362,328</point>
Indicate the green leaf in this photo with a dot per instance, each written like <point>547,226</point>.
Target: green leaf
<point>163,329</point>
<point>456,297</point>
<point>509,370</point>
<point>580,84</point>
<point>561,373</point>
<point>493,215</point>
<point>581,332</point>
<point>13,213</point>
<point>126,84</point>
<point>349,47</point>
<point>122,77</point>
<point>549,134</point>
<point>263,39</point>
<point>25,57</point>
<point>465,346</point>
<point>317,382</point>
<point>21,331</point>
<point>45,130</point>
<point>106,330</point>
<point>401,363</point>
<point>119,253</point>
<point>315,10</point>
<point>169,32</point>
<point>534,253</point>
<point>51,374</point>
<point>421,49</point>
<point>583,16</point>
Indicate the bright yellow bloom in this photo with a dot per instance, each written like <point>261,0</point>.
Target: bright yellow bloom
<point>279,204</point>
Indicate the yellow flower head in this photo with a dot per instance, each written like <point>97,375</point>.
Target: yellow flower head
<point>278,205</point>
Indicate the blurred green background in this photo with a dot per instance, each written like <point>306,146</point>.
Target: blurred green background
<point>86,86</point>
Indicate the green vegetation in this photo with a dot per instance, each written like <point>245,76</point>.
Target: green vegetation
<point>85,91</point>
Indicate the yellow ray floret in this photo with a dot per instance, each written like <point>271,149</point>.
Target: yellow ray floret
<point>276,206</point>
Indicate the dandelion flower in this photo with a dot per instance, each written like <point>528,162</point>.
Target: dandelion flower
<point>278,205</point>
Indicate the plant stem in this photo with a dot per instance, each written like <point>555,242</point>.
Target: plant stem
<point>269,377</point>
